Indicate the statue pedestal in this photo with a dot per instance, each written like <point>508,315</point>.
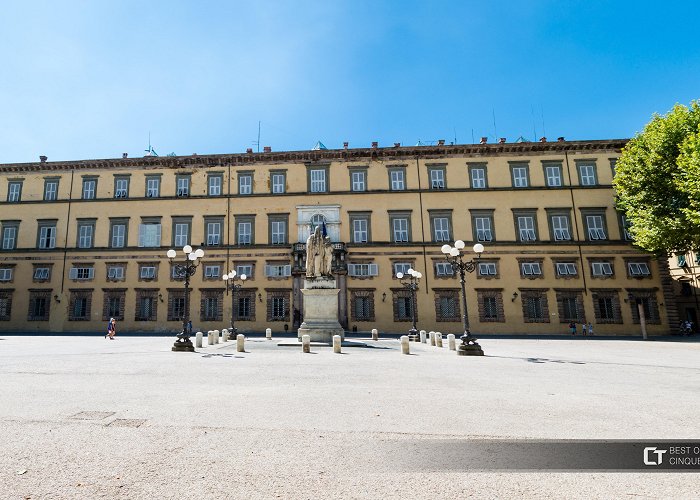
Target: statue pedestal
<point>320,310</point>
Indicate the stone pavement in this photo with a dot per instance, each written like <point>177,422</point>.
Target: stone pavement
<point>91,418</point>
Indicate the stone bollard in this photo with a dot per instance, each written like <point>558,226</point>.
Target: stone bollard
<point>210,337</point>
<point>423,335</point>
<point>240,342</point>
<point>216,336</point>
<point>268,333</point>
<point>375,334</point>
<point>224,335</point>
<point>438,339</point>
<point>336,344</point>
<point>432,338</point>
<point>306,343</point>
<point>198,339</point>
<point>405,349</point>
<point>451,341</point>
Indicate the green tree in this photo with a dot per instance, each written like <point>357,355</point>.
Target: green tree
<point>657,180</point>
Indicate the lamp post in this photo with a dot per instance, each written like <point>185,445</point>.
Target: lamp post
<point>230,280</point>
<point>185,269</point>
<point>469,346</point>
<point>411,282</point>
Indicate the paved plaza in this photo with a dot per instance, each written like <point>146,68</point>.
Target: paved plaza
<point>84,417</point>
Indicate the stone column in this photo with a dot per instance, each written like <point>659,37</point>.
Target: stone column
<point>405,349</point>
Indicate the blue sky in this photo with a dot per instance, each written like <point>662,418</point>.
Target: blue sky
<point>92,79</point>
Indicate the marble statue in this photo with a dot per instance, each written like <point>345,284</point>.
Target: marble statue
<point>319,255</point>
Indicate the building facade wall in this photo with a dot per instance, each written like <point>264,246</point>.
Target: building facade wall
<point>435,192</point>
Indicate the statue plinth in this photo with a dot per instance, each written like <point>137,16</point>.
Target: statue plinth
<point>320,310</point>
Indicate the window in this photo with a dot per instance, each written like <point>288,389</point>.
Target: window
<point>362,305</point>
<point>147,272</point>
<point>278,305</point>
<point>149,233</point>
<point>482,225</point>
<point>81,273</point>
<point>9,234</point>
<point>245,183</point>
<point>487,269</point>
<point>363,270</point>
<point>181,231</point>
<point>50,189</point>
<point>358,180</point>
<point>520,175</point>
<point>638,269</point>
<point>46,239</point>
<point>89,188</point>
<point>176,305</point>
<point>121,187</point>
<point>212,305</point>
<point>535,306</point>
<point>42,273</point>
<point>477,176</point>
<point>5,305</point>
<point>39,305</point>
<point>212,271</point>
<point>182,185</point>
<point>624,225</point>
<point>437,177</point>
<point>601,269</point>
<point>79,306</point>
<point>443,269</point>
<point>397,179</point>
<point>278,270</point>
<point>118,233</point>
<point>441,226</point>
<point>115,272</point>
<point>606,306</point>
<point>6,273</point>
<point>490,304</point>
<point>402,267</point>
<point>14,191</point>
<point>278,181</point>
<point>213,228</point>
<point>586,174</point>
<point>318,180</point>
<point>113,305</point>
<point>244,230</point>
<point>559,225</point>
<point>526,228</point>
<point>647,298</point>
<point>152,186</point>
<point>403,305</point>
<point>447,305</point>
<point>244,306</point>
<point>595,227</point>
<point>86,231</point>
<point>528,269</point>
<point>570,306</point>
<point>566,269</point>
<point>146,305</point>
<point>277,229</point>
<point>360,230</point>
<point>246,269</point>
<point>553,174</point>
<point>214,182</point>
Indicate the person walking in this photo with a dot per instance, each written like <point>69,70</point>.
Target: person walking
<point>572,328</point>
<point>590,328</point>
<point>584,328</point>
<point>111,328</point>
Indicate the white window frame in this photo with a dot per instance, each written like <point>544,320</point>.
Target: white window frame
<point>359,182</point>
<point>41,273</point>
<point>152,187</point>
<point>121,188</point>
<point>82,273</point>
<point>182,234</point>
<point>278,232</point>
<point>115,273</point>
<point>566,269</point>
<point>318,180</point>
<point>51,190</point>
<point>530,268</point>
<point>245,233</point>
<point>444,269</point>
<point>596,227</point>
<point>14,191</point>
<point>148,272</point>
<point>437,178</point>
<point>401,267</point>
<point>6,274</point>
<point>183,186</point>
<point>214,187</point>
<point>149,235</point>
<point>85,233</point>
<point>398,180</point>
<point>441,229</point>
<point>213,233</point>
<point>560,228</point>
<point>278,270</point>
<point>601,269</point>
<point>487,269</point>
<point>9,237</point>
<point>520,177</point>
<point>478,178</point>
<point>246,269</point>
<point>483,228</point>
<point>89,189</point>
<point>526,228</point>
<point>587,175</point>
<point>118,235</point>
<point>638,269</point>
<point>245,184</point>
<point>212,271</point>
<point>363,270</point>
<point>278,183</point>
<point>47,237</point>
<point>360,230</point>
<point>553,175</point>
<point>400,232</point>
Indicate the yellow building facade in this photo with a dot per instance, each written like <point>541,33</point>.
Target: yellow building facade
<point>83,241</point>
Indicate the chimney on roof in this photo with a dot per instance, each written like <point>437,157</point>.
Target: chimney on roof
<point>345,145</point>
<point>560,139</point>
<point>543,139</point>
<point>441,142</point>
<point>125,155</point>
<point>375,144</point>
<point>484,140</point>
<point>249,151</point>
<point>267,149</point>
<point>397,144</point>
<point>43,158</point>
<point>502,140</point>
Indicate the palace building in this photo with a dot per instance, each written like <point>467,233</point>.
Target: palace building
<point>83,241</point>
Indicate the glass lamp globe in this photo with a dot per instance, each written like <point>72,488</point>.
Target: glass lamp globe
<point>399,275</point>
<point>478,248</point>
<point>192,256</point>
<point>171,254</point>
<point>225,277</point>
<point>199,253</point>
<point>243,277</point>
<point>459,244</point>
<point>187,249</point>
<point>454,252</point>
<point>445,248</point>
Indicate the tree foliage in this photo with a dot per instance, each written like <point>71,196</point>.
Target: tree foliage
<point>657,180</point>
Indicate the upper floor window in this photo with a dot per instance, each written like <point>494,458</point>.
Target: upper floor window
<point>82,273</point>
<point>214,182</point>
<point>441,228</point>
<point>595,227</point>
<point>244,230</point>
<point>213,232</point>
<point>552,174</point>
<point>601,269</point>
<point>482,225</point>
<point>520,175</point>
<point>89,188</point>
<point>115,272</point>
<point>638,269</point>
<point>443,269</point>
<point>559,224</point>
<point>278,229</point>
<point>42,273</point>
<point>181,234</point>
<point>530,269</point>
<point>183,185</point>
<point>149,233</point>
<point>402,267</point>
<point>625,228</point>
<point>278,270</point>
<point>358,180</point>
<point>437,177</point>
<point>46,239</point>
<point>477,177</point>
<point>526,228</point>
<point>14,191</point>
<point>118,234</point>
<point>586,174</point>
<point>397,179</point>
<point>278,181</point>
<point>487,269</point>
<point>365,269</point>
<point>6,273</point>
<point>86,232</point>
<point>50,189</point>
<point>246,269</point>
<point>318,182</point>
<point>9,235</point>
<point>400,229</point>
<point>565,269</point>
<point>121,187</point>
<point>152,186</point>
<point>360,228</point>
<point>212,271</point>
<point>245,183</point>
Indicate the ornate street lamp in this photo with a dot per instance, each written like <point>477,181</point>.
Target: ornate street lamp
<point>469,346</point>
<point>411,282</point>
<point>185,269</point>
<point>230,280</point>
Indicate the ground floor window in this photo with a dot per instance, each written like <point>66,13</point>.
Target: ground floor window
<point>39,305</point>
<point>278,305</point>
<point>606,306</point>
<point>649,304</point>
<point>211,308</point>
<point>447,305</point>
<point>80,305</point>
<point>146,304</point>
<point>5,305</point>
<point>535,306</point>
<point>490,302</point>
<point>570,306</point>
<point>113,306</point>
<point>403,305</point>
<point>244,309</point>
<point>362,305</point>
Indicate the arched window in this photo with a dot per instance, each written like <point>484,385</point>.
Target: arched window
<point>317,220</point>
